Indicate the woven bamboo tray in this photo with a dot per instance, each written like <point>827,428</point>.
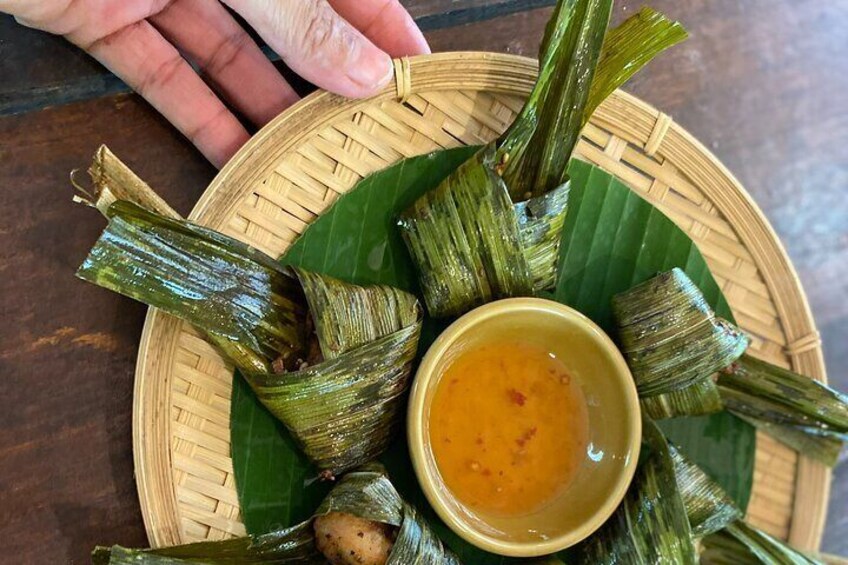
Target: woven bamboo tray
<point>298,165</point>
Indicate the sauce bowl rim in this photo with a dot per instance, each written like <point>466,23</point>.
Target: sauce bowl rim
<point>434,489</point>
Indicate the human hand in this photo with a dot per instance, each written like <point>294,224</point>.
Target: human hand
<point>344,46</point>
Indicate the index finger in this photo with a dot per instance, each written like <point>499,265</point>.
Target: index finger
<point>386,23</point>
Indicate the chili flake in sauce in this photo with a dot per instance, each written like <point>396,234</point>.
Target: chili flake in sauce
<point>509,427</point>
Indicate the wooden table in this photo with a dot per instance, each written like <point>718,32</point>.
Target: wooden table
<point>762,83</point>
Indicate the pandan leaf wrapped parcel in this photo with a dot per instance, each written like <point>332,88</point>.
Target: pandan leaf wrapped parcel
<point>708,508</point>
<point>330,359</point>
<point>674,344</point>
<point>676,347</point>
<point>805,414</point>
<point>726,539</point>
<point>743,544</point>
<point>492,228</point>
<point>364,505</point>
<point>650,525</point>
<point>671,504</point>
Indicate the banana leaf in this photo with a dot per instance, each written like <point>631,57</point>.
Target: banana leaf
<point>650,525</point>
<point>673,343</point>
<point>741,544</point>
<point>708,507</point>
<point>801,412</point>
<point>344,406</point>
<point>492,228</point>
<point>366,493</point>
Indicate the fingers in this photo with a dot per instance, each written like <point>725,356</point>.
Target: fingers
<point>318,44</point>
<point>153,68</point>
<point>209,36</point>
<point>386,23</point>
<point>83,22</point>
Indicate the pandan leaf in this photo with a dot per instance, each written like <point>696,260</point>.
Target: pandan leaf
<point>540,222</point>
<point>472,254</point>
<point>343,410</point>
<point>708,507</point>
<point>346,409</point>
<point>801,412</point>
<point>781,396</point>
<point>650,525</point>
<point>445,227</point>
<point>242,299</point>
<point>698,399</point>
<point>822,446</point>
<point>672,340</point>
<point>673,344</point>
<point>289,546</point>
<point>470,243</point>
<point>537,161</point>
<point>628,48</point>
<point>741,544</point>
<point>366,493</point>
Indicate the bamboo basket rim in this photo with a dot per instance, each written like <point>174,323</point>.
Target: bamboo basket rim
<point>634,122</point>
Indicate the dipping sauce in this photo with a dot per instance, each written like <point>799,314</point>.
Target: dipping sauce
<point>508,428</point>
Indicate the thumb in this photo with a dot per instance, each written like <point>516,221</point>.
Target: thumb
<point>318,44</point>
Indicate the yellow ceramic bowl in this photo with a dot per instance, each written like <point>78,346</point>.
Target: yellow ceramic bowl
<point>615,427</point>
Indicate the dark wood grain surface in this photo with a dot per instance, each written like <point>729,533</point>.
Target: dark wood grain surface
<point>762,83</point>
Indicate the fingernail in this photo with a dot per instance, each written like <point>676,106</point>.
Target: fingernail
<point>372,70</point>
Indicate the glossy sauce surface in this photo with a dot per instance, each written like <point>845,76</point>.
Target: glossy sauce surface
<point>508,427</point>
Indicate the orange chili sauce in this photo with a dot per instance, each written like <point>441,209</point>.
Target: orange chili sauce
<point>508,428</point>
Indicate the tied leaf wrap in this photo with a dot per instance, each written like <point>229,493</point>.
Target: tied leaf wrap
<point>348,316</point>
<point>742,544</point>
<point>348,408</point>
<point>366,492</point>
<point>242,299</point>
<point>342,411</point>
<point>672,341</point>
<point>701,397</point>
<point>674,344</point>
<point>708,507</point>
<point>492,228</point>
<point>472,245</point>
<point>464,236</point>
<point>650,525</point>
<point>801,412</point>
<point>540,223</point>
